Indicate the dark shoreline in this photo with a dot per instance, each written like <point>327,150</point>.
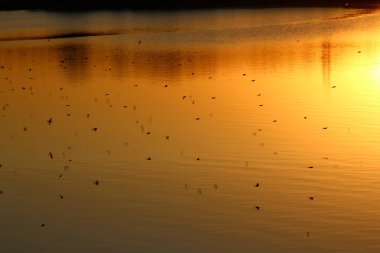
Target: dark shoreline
<point>82,5</point>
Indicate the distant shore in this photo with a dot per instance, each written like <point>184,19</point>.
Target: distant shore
<point>72,5</point>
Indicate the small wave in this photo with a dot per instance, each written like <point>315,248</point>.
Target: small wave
<point>356,14</point>
<point>58,36</point>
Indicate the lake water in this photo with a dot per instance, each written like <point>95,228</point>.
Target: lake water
<point>190,131</point>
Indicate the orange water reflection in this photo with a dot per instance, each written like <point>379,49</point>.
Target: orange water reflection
<point>187,123</point>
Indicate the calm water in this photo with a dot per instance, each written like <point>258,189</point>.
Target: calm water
<point>179,116</point>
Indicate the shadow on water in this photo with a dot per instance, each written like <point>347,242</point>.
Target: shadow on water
<point>73,59</point>
<point>81,60</point>
<point>326,62</point>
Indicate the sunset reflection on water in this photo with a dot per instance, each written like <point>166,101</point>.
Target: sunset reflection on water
<point>178,122</point>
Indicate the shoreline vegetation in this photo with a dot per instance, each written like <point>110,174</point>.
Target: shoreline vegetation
<point>83,5</point>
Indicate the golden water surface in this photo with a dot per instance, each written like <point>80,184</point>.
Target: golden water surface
<point>190,131</point>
